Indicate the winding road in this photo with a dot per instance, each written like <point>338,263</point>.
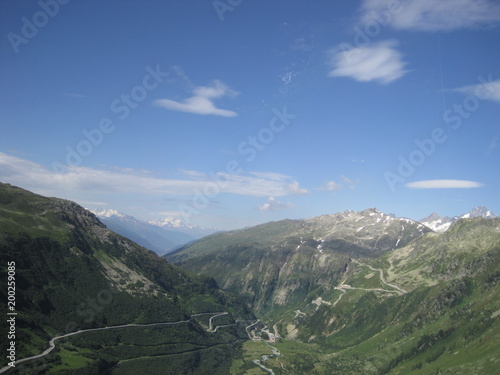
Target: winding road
<point>343,287</point>
<point>382,278</point>
<point>246,328</point>
<point>340,297</point>
<point>52,344</point>
<point>257,362</point>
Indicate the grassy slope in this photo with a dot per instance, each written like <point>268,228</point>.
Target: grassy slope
<point>448,323</point>
<point>72,273</point>
<point>280,265</point>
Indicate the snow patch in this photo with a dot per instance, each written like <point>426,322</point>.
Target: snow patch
<point>108,213</point>
<point>320,246</point>
<point>301,243</point>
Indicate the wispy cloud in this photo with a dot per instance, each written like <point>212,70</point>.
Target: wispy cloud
<point>347,181</point>
<point>334,186</point>
<point>93,203</point>
<point>294,189</point>
<point>494,143</point>
<point>193,174</point>
<point>201,102</point>
<point>106,182</point>
<point>444,184</point>
<point>301,45</point>
<point>379,62</point>
<point>169,214</point>
<point>487,90</point>
<point>331,186</point>
<point>432,15</point>
<point>18,152</point>
<point>274,205</point>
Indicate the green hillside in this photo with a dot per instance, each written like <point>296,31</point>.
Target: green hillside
<point>444,322</point>
<point>72,273</point>
<point>369,232</point>
<point>350,293</point>
<point>281,265</point>
<point>430,307</point>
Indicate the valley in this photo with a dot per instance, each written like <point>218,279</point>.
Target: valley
<point>348,293</point>
<point>91,301</point>
<point>412,308</point>
<point>440,339</point>
<point>274,338</point>
<point>250,187</point>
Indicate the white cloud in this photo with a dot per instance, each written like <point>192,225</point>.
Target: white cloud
<point>444,184</point>
<point>489,90</point>
<point>294,189</point>
<point>193,174</point>
<point>269,175</point>
<point>202,101</point>
<point>334,186</point>
<point>348,182</point>
<point>431,15</point>
<point>83,180</point>
<point>379,62</point>
<point>331,186</point>
<point>274,205</point>
<point>169,214</point>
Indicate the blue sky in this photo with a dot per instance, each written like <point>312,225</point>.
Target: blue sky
<point>233,113</point>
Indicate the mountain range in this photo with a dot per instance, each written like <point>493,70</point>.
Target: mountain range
<point>126,309</point>
<point>161,236</point>
<point>441,224</point>
<point>357,292</point>
<point>364,292</point>
<point>166,235</point>
<point>280,263</point>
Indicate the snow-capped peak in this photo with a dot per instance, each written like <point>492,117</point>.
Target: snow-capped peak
<point>441,224</point>
<point>172,222</point>
<point>169,222</point>
<point>108,213</point>
<point>480,211</point>
<point>372,211</point>
<point>432,217</point>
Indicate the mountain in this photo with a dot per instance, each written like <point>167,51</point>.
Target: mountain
<point>281,263</point>
<point>69,274</point>
<point>350,293</point>
<point>436,222</point>
<point>362,293</point>
<point>431,307</point>
<point>195,231</point>
<point>441,224</point>
<point>159,236</point>
<point>479,211</point>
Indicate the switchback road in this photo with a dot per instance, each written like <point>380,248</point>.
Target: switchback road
<point>52,344</point>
